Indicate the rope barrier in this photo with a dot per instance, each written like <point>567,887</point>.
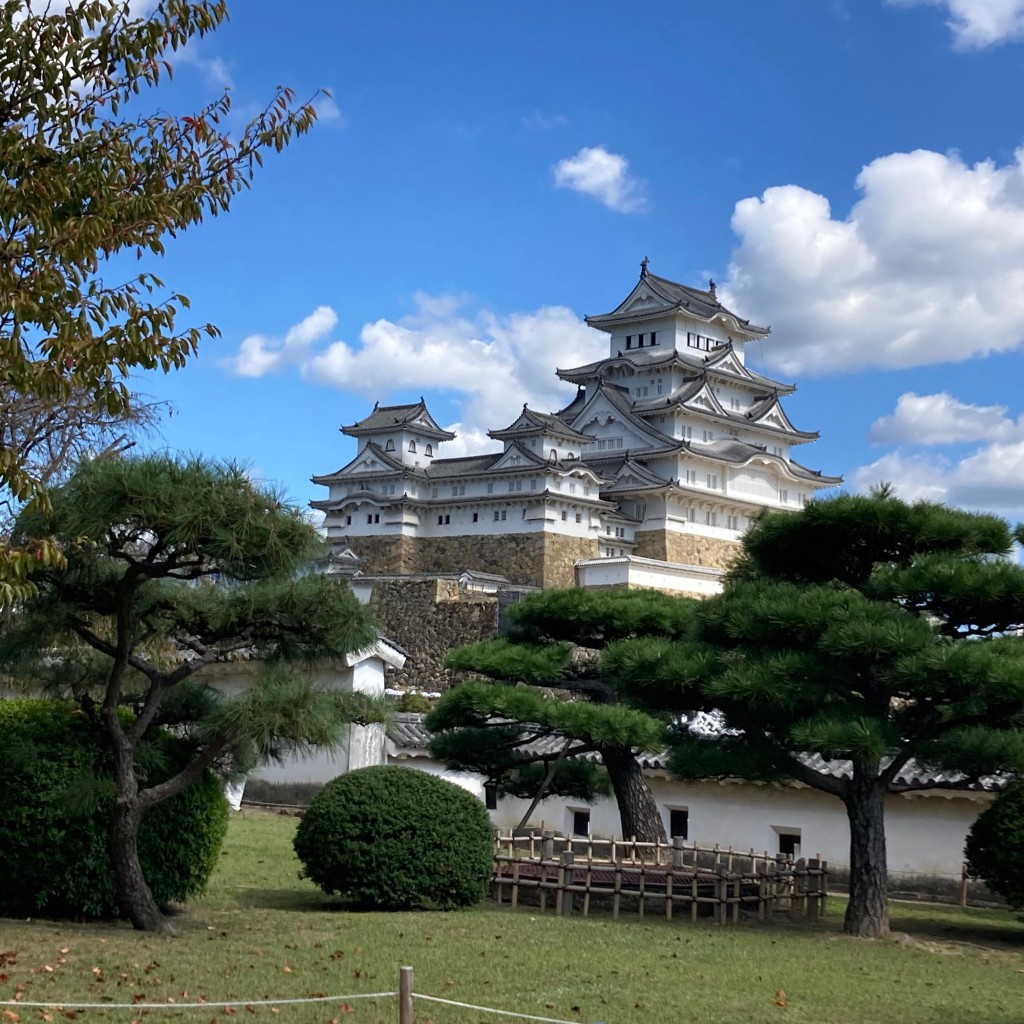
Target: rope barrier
<point>194,1006</point>
<point>491,1009</point>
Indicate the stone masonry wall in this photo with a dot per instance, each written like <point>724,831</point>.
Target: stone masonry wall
<point>533,559</point>
<point>560,557</point>
<point>686,548</point>
<point>428,618</point>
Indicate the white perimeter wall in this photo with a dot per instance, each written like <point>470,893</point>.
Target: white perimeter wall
<point>925,833</point>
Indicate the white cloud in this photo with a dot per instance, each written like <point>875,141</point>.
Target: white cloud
<point>989,477</point>
<point>213,69</point>
<point>328,111</point>
<point>493,363</point>
<point>943,419</point>
<point>259,355</point>
<point>928,266</point>
<point>543,122</point>
<point>976,24</point>
<point>603,176</point>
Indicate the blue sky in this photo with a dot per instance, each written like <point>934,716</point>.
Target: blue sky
<point>849,171</point>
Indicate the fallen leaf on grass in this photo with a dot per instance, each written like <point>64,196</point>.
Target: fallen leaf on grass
<point>286,969</point>
<point>250,1007</point>
<point>4,977</point>
<point>8,958</point>
<point>46,1017</point>
<point>780,998</point>
<point>11,1016</point>
<point>345,1008</point>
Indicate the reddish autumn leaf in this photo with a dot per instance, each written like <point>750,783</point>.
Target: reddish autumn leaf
<point>780,998</point>
<point>139,997</point>
<point>11,1016</point>
<point>345,1008</point>
<point>250,1007</point>
<point>4,977</point>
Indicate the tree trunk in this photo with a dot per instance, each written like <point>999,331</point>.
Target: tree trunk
<point>133,893</point>
<point>867,913</point>
<point>637,809</point>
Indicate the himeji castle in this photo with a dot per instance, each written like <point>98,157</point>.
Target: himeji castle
<point>648,477</point>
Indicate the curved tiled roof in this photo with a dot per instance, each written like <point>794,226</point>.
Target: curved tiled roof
<point>407,732</point>
<point>388,417</point>
<point>673,298</point>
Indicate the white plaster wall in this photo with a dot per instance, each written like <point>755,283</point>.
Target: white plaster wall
<point>925,833</point>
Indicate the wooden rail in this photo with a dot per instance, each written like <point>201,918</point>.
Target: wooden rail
<point>572,871</point>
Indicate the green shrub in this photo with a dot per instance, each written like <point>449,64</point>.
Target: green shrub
<point>995,846</point>
<point>395,839</point>
<point>414,702</point>
<point>55,813</point>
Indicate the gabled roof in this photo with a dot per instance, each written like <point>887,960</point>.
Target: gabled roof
<point>530,424</point>
<point>620,402</point>
<point>655,296</point>
<point>386,418</point>
<point>569,412</point>
<point>631,476</point>
<point>371,451</point>
<point>724,360</point>
<point>771,408</point>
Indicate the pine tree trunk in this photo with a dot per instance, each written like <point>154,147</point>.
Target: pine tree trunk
<point>867,913</point>
<point>134,896</point>
<point>637,809</point>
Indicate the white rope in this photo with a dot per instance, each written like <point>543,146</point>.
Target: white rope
<point>491,1009</point>
<point>193,1006</point>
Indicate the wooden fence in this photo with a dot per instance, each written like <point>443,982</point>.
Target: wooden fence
<point>676,877</point>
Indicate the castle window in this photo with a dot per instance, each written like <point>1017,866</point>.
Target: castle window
<point>565,516</point>
<point>713,480</point>
<point>580,823</point>
<point>784,495</point>
<point>390,446</point>
<point>658,385</point>
<point>642,392</point>
<point>430,451</point>
<point>490,488</point>
<point>640,341</point>
<point>691,514</point>
<point>678,823</point>
<point>533,483</point>
<point>686,433</point>
<point>348,520</point>
<point>711,518</point>
<point>654,337</point>
<point>495,516</point>
<point>691,476</point>
<point>554,455</point>
<point>444,520</point>
<point>629,341</point>
<point>458,489</point>
<point>733,522</point>
<point>502,516</point>
<point>579,517</point>
<point>491,797</point>
<point>476,517</point>
<point>412,447</point>
<point>708,435</point>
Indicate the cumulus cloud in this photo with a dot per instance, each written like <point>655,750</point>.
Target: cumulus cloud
<point>976,24</point>
<point>259,355</point>
<point>603,176</point>
<point>989,477</point>
<point>927,267</point>
<point>493,363</point>
<point>943,419</point>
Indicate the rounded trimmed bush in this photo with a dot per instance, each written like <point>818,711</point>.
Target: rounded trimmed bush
<point>396,839</point>
<point>995,846</point>
<point>55,820</point>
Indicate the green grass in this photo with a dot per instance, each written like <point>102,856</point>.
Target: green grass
<point>261,932</point>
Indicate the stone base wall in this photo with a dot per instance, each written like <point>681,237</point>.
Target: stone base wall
<point>533,559</point>
<point>686,548</point>
<point>560,557</point>
<point>386,555</point>
<point>428,618</point>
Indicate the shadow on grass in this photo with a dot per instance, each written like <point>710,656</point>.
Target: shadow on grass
<point>1006,934</point>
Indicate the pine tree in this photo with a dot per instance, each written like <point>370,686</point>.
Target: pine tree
<point>172,566</point>
<point>530,745</point>
<point>854,637</point>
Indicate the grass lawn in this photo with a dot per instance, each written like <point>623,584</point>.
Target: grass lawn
<point>262,933</point>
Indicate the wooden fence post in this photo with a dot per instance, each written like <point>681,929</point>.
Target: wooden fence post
<point>963,885</point>
<point>564,883</point>
<point>405,995</point>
